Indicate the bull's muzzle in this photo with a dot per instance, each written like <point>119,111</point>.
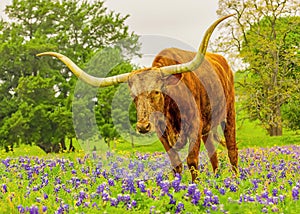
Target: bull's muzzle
<point>143,127</point>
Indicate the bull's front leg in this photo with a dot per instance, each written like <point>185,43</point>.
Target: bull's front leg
<point>172,153</point>
<point>193,157</point>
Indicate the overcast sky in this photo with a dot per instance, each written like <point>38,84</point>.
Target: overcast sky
<point>185,20</point>
<point>163,23</point>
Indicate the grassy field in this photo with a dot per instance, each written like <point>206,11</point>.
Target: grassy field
<point>249,135</point>
<point>139,180</point>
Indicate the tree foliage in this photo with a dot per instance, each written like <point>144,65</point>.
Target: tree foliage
<point>265,35</point>
<point>37,92</point>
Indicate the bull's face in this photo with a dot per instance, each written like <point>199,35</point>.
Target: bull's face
<point>147,87</point>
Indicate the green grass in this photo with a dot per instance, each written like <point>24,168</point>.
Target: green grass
<point>249,135</point>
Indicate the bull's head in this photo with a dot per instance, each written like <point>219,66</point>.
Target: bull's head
<point>146,85</point>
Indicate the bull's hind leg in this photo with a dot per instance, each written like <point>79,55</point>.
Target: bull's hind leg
<point>211,150</point>
<point>229,133</point>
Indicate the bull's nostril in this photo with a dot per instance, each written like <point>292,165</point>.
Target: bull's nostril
<point>143,127</point>
<point>148,126</point>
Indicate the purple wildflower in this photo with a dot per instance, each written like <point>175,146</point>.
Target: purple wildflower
<point>214,207</point>
<point>33,210</point>
<point>21,209</point>
<point>111,182</point>
<point>141,185</point>
<point>196,197</point>
<point>179,208</point>
<point>233,188</point>
<point>176,183</point>
<point>133,203</point>
<point>265,194</point>
<point>295,193</point>
<point>191,189</point>
<point>165,185</point>
<point>215,199</point>
<point>206,202</point>
<point>274,192</point>
<point>105,196</point>
<point>264,210</point>
<point>172,201</point>
<point>222,191</point>
<point>4,188</point>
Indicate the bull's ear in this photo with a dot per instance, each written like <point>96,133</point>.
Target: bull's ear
<point>173,79</point>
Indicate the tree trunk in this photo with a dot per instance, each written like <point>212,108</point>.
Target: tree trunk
<point>275,128</point>
<point>275,131</point>
<point>71,147</point>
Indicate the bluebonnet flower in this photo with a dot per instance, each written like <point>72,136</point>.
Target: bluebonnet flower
<point>233,188</point>
<point>44,209</point>
<point>21,209</point>
<point>179,208</point>
<point>133,203</point>
<point>33,210</point>
<point>265,194</point>
<point>208,192</point>
<point>100,188</point>
<point>275,192</point>
<point>4,188</point>
<point>82,195</point>
<point>214,207</point>
<point>142,186</point>
<point>78,203</point>
<point>295,193</point>
<point>86,204</point>
<point>140,168</point>
<point>172,201</point>
<point>227,182</point>
<point>120,197</point>
<point>105,196</point>
<point>111,182</point>
<point>126,198</point>
<point>264,210</point>
<point>255,183</point>
<point>191,189</point>
<point>196,197</point>
<point>206,201</point>
<point>222,191</point>
<point>275,200</point>
<point>165,185</point>
<point>176,184</point>
<point>128,185</point>
<point>215,199</point>
<point>95,205</point>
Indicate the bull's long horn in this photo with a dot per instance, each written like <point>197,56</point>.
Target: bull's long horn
<point>94,81</point>
<point>198,59</point>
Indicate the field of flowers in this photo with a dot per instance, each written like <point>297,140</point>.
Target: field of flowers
<point>269,182</point>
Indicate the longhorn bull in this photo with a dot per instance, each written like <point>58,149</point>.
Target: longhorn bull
<point>193,91</point>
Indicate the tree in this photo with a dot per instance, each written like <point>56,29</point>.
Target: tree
<point>40,89</point>
<point>263,36</point>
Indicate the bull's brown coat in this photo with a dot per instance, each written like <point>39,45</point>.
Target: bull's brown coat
<point>192,93</point>
<point>192,103</point>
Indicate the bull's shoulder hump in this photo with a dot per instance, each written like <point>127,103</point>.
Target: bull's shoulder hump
<point>172,56</point>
